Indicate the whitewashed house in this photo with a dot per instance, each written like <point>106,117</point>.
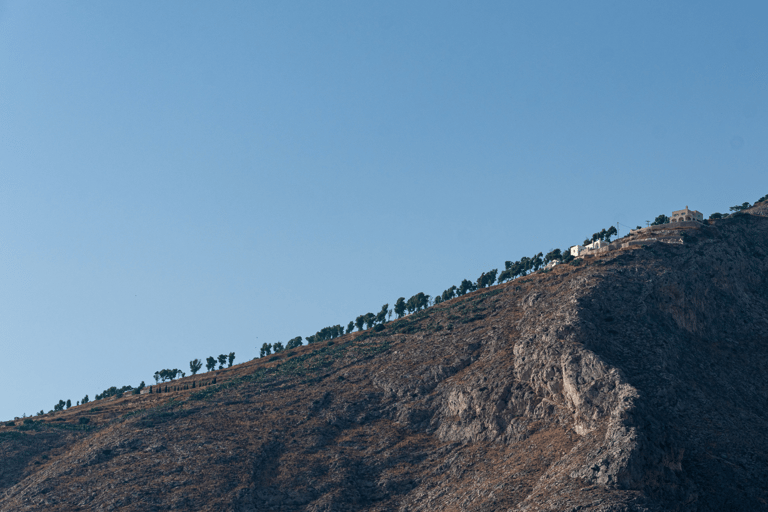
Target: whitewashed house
<point>597,244</point>
<point>577,250</point>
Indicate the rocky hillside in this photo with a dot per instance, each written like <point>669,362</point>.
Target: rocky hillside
<point>634,380</point>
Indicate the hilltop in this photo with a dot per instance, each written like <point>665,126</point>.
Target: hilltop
<point>634,379</point>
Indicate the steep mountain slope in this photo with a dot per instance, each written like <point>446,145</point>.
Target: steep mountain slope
<point>633,381</point>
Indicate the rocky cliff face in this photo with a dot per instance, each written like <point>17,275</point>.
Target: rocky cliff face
<point>634,381</point>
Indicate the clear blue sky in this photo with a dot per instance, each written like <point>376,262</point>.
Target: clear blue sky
<point>182,179</point>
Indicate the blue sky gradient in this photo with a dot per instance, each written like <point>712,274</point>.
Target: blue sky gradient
<point>184,179</point>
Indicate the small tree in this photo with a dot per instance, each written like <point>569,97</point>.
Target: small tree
<point>85,399</point>
<point>740,207</point>
<point>157,377</point>
<point>210,363</point>
<point>553,255</point>
<point>537,261</point>
<point>293,343</point>
<point>278,347</point>
<point>400,307</point>
<point>350,326</point>
<point>59,406</point>
<point>369,320</point>
<point>465,287</point>
<point>381,316</point>
<point>716,216</point>
<point>230,359</point>
<point>661,219</point>
<point>487,279</point>
<point>222,360</point>
<point>69,403</point>
<point>195,365</point>
<point>410,305</point>
<point>266,349</point>
<point>359,322</point>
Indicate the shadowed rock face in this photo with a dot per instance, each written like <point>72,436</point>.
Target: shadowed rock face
<point>631,382</point>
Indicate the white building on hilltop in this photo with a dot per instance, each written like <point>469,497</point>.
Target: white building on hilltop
<point>578,250</point>
<point>686,215</point>
<point>597,244</point>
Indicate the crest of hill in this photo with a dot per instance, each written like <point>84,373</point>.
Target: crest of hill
<point>631,380</point>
